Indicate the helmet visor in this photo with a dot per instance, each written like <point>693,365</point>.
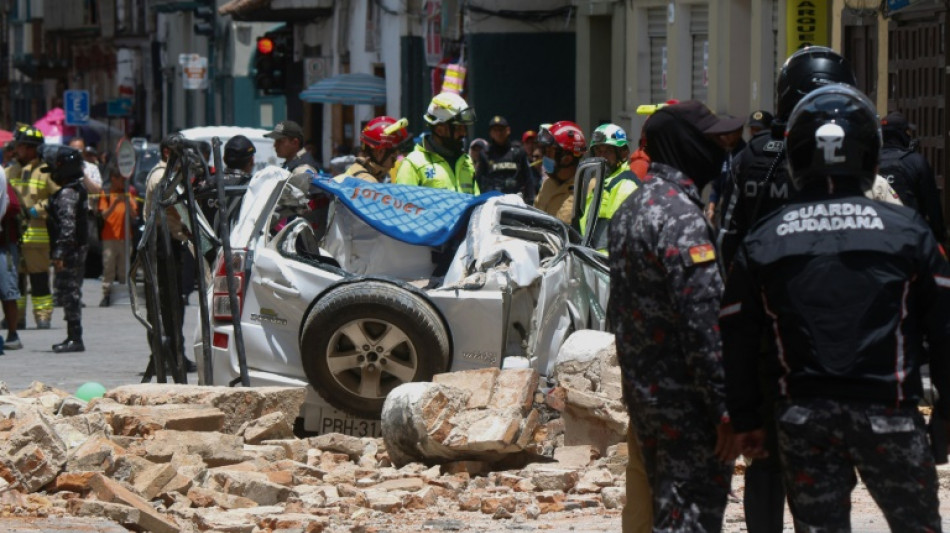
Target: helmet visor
<point>545,137</point>
<point>598,137</point>
<point>465,116</point>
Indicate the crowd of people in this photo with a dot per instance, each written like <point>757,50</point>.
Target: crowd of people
<point>784,315</point>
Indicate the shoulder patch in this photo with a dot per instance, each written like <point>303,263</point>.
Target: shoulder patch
<point>702,253</point>
<point>774,147</point>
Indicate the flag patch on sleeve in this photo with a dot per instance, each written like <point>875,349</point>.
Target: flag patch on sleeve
<point>702,253</point>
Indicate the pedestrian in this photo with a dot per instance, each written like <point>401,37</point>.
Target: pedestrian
<point>504,166</point>
<point>909,173</point>
<point>168,271</point>
<point>730,139</point>
<point>34,188</point>
<point>475,150</point>
<point>760,120</point>
<point>379,147</point>
<point>847,291</point>
<point>563,146</point>
<point>529,143</point>
<point>68,234</point>
<point>288,145</point>
<point>9,257</point>
<point>116,207</point>
<point>665,289</point>
<point>609,141</point>
<point>440,159</point>
<point>92,178</point>
<point>760,184</point>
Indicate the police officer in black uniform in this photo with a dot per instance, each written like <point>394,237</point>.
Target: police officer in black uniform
<point>68,233</point>
<point>239,162</point>
<point>504,166</point>
<point>760,181</point>
<point>759,185</point>
<point>848,290</point>
<point>909,173</point>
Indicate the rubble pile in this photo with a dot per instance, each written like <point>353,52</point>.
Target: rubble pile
<point>489,445</point>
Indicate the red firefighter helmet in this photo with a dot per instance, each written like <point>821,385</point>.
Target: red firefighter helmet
<point>384,132</point>
<point>564,134</point>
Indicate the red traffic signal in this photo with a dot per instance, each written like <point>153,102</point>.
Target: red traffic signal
<point>265,45</point>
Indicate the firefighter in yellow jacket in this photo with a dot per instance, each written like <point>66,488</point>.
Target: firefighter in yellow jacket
<point>34,188</point>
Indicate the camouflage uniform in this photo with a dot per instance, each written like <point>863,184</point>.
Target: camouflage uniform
<point>68,233</point>
<point>845,290</point>
<point>665,286</point>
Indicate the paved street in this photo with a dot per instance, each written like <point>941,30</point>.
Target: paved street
<point>116,348</point>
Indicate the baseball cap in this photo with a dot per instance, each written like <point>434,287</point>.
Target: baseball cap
<point>238,149</point>
<point>286,128</point>
<point>530,134</point>
<point>897,121</point>
<point>498,120</point>
<point>760,119</point>
<point>725,124</point>
<point>697,114</point>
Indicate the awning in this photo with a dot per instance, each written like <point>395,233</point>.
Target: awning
<point>347,89</point>
<point>277,10</point>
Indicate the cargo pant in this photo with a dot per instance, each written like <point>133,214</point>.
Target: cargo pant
<point>823,442</point>
<point>68,283</point>
<point>690,484</point>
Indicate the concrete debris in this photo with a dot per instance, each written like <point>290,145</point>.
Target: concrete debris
<point>177,458</point>
<point>589,392</point>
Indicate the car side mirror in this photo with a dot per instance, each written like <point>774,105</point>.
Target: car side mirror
<point>588,179</point>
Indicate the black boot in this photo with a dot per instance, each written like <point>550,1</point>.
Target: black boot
<point>73,342</point>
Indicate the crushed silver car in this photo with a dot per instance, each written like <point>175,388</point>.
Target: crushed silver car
<point>386,296</point>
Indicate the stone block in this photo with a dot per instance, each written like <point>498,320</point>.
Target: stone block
<point>108,490</point>
<point>270,426</point>
<point>126,515</point>
<point>238,404</point>
<point>77,482</point>
<point>614,497</point>
<point>252,485</point>
<point>352,447</point>
<point>576,457</point>
<point>514,388</point>
<point>32,453</point>
<point>143,420</point>
<point>485,430</point>
<point>215,449</point>
<point>150,482</point>
<point>95,454</point>
<point>479,384</point>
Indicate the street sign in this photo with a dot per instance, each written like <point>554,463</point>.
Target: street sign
<point>194,71</point>
<point>77,107</point>
<point>119,107</point>
<point>125,158</point>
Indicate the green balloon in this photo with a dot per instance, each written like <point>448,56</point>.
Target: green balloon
<point>88,391</point>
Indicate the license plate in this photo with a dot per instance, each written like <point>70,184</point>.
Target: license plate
<point>333,421</point>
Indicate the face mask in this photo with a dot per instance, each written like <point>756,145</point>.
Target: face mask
<point>547,164</point>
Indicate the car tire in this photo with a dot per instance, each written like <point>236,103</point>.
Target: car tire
<point>342,345</point>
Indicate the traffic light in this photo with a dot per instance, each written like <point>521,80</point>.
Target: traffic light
<point>205,21</point>
<point>271,62</point>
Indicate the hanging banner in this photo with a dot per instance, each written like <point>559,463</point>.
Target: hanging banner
<point>806,24</point>
<point>454,79</point>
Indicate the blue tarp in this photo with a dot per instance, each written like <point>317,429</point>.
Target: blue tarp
<point>412,214</point>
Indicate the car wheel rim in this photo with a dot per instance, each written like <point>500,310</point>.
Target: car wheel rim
<point>369,358</point>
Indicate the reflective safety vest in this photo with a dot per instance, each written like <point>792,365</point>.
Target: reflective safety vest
<point>35,187</point>
<point>429,169</point>
<point>617,187</point>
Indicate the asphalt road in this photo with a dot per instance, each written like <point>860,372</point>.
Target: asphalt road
<point>116,348</point>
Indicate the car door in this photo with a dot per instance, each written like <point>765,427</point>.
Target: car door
<point>281,287</point>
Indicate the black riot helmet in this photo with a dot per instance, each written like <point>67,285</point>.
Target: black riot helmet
<point>834,132</point>
<point>806,70</point>
<point>63,163</point>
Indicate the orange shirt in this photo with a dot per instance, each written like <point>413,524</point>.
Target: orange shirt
<point>113,227</point>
